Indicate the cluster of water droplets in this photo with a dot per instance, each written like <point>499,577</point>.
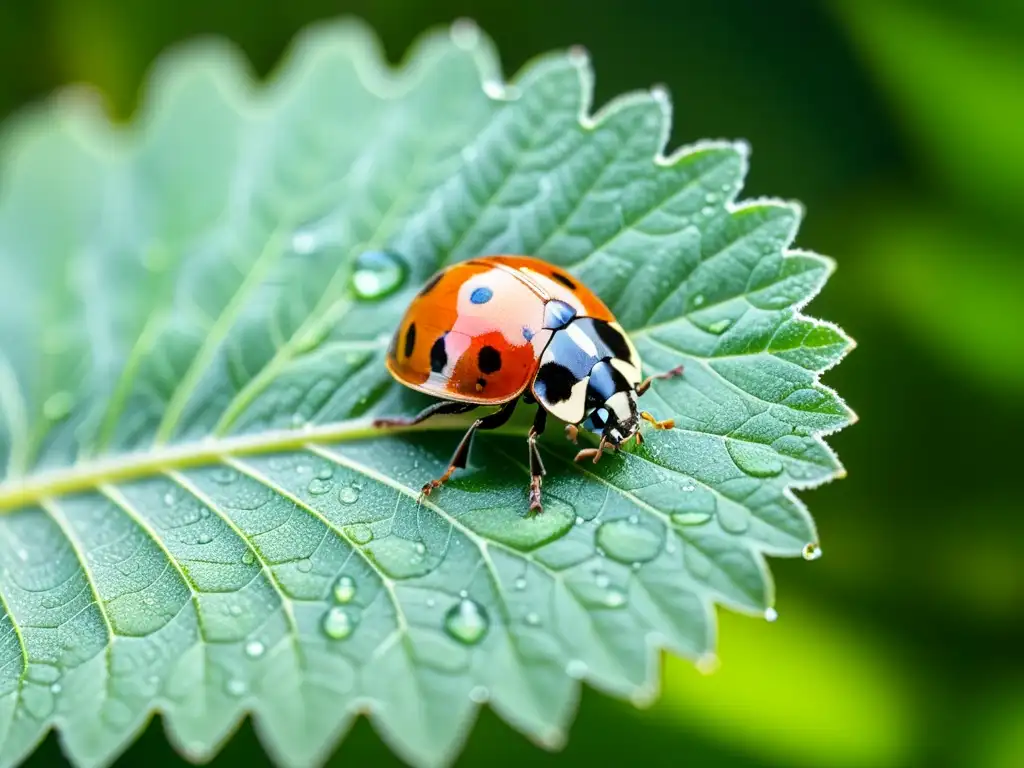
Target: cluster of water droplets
<point>340,620</point>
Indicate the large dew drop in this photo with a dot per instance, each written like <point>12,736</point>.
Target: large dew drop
<point>344,589</point>
<point>338,623</point>
<point>466,621</point>
<point>378,274</point>
<point>630,541</point>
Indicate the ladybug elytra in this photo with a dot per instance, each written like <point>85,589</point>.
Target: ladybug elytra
<point>492,330</point>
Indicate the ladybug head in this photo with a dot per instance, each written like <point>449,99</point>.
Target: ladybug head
<point>616,419</point>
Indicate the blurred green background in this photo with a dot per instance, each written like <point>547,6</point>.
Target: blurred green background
<point>900,125</point>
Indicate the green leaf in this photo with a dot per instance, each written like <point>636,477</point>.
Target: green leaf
<point>200,518</point>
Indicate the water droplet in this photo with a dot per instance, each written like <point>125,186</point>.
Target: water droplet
<point>478,694</point>
<point>377,274</point>
<point>169,499</point>
<point>532,619</point>
<point>348,495</point>
<point>690,518</point>
<point>770,614</point>
<point>254,649</point>
<point>325,474</point>
<point>578,55</point>
<point>305,565</point>
<point>338,624</point>
<point>576,669</point>
<point>707,210</point>
<point>733,518</point>
<point>756,460</point>
<point>710,198</point>
<point>634,519</point>
<point>628,541</point>
<point>225,475</point>
<point>204,538</point>
<point>719,326</point>
<point>660,93</point>
<point>579,520</point>
<point>431,602</point>
<point>420,548</point>
<point>602,581</point>
<point>344,589</point>
<point>55,688</point>
<point>302,469</point>
<point>235,609</point>
<point>359,533</point>
<point>811,551</point>
<point>698,300</point>
<point>248,557</point>
<point>520,583</point>
<point>614,598</point>
<point>236,687</point>
<point>466,621</point>
<point>204,511</point>
<point>494,89</point>
<point>58,405</point>
<point>318,487</point>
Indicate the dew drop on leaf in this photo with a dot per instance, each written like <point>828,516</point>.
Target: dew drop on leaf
<point>756,460</point>
<point>628,541</point>
<point>479,695</point>
<point>337,623</point>
<point>318,486</point>
<point>348,495</point>
<point>733,518</point>
<point>235,610</point>
<point>698,300</point>
<point>520,583</point>
<point>811,551</point>
<point>359,533</point>
<point>254,649</point>
<point>305,565</point>
<point>719,326</point>
<point>690,518</point>
<point>770,614</point>
<point>344,589</point>
<point>532,618</point>
<point>248,557</point>
<point>466,621</point>
<point>204,538</point>
<point>614,598</point>
<point>602,580</point>
<point>168,499</point>
<point>236,687</point>
<point>325,474</point>
<point>377,274</point>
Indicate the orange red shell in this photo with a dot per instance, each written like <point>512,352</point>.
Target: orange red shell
<point>475,333</point>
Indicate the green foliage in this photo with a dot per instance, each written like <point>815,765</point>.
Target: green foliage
<point>200,518</point>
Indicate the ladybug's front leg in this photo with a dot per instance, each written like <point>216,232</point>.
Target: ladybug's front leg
<point>644,385</point>
<point>490,421</point>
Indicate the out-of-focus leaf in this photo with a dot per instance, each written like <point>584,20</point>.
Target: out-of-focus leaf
<point>200,515</point>
<point>958,88</point>
<point>809,690</point>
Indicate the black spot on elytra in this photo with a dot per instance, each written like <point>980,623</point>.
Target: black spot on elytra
<point>564,280</point>
<point>554,383</point>
<point>410,339</point>
<point>431,283</point>
<point>614,340</point>
<point>489,360</point>
<point>481,383</point>
<point>438,355</point>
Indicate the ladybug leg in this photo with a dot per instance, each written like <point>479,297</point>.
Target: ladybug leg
<point>459,459</point>
<point>436,409</point>
<point>644,385</point>
<point>537,470</point>
<point>666,424</point>
<point>595,453</point>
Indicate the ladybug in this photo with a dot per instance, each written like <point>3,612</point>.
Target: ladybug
<point>489,331</point>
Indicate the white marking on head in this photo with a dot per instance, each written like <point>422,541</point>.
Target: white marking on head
<point>620,406</point>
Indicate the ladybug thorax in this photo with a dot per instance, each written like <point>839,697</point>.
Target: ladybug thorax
<point>588,375</point>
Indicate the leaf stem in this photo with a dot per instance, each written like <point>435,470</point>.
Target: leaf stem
<point>86,476</point>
